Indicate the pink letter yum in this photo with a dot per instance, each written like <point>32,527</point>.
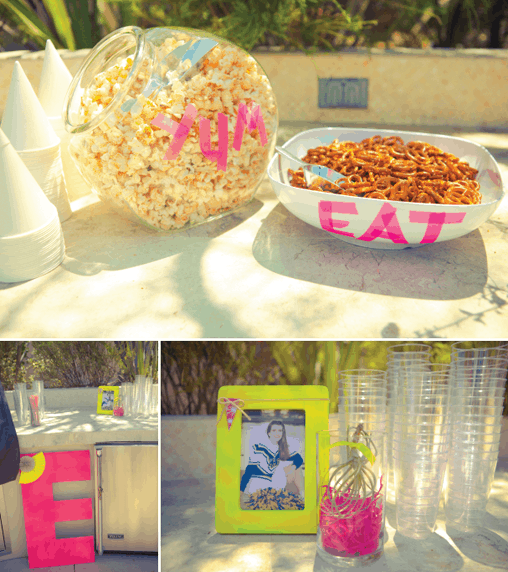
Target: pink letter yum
<point>221,154</point>
<point>246,120</point>
<point>181,130</point>
<point>41,512</point>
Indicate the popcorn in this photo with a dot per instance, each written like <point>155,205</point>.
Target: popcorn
<point>124,160</point>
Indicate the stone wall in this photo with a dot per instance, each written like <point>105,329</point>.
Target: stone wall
<point>459,88</point>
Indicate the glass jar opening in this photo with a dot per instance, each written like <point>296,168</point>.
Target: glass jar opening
<point>121,47</point>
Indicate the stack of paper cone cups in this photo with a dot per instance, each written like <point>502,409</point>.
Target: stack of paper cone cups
<point>32,136</point>
<point>31,238</point>
<point>54,83</point>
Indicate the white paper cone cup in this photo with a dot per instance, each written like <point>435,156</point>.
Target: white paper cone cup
<point>77,187</point>
<point>23,205</point>
<point>24,258</point>
<point>24,120</point>
<point>46,168</point>
<point>54,81</point>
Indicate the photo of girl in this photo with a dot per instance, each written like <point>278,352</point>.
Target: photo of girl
<point>275,454</point>
<point>108,399</point>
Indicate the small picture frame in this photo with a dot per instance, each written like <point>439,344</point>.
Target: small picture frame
<point>108,395</point>
<point>266,462</point>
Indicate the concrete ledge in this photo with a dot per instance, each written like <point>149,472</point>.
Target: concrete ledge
<point>189,442</point>
<point>74,397</point>
<point>405,86</point>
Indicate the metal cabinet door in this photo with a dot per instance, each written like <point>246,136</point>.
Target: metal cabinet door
<point>127,495</point>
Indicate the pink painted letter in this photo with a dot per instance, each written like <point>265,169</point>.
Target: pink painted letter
<point>435,222</point>
<point>41,513</point>
<point>251,121</point>
<point>221,154</point>
<point>385,225</point>
<point>326,208</point>
<point>180,133</point>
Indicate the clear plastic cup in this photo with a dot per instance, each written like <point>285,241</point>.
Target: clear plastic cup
<point>468,424</point>
<point>421,448</point>
<point>400,358</point>
<point>460,439</point>
<point>479,411</point>
<point>470,478</point>
<point>461,350</point>
<point>418,525</point>
<point>126,397</point>
<point>417,502</point>
<point>438,434</point>
<point>473,375</point>
<point>362,398</point>
<point>401,351</point>
<point>469,403</point>
<point>425,498</point>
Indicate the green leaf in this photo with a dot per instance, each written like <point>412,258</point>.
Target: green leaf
<point>81,22</point>
<point>36,28</point>
<point>57,11</point>
<point>360,446</point>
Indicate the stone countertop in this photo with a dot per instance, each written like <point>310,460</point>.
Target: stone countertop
<point>189,541</point>
<point>85,427</point>
<point>261,272</point>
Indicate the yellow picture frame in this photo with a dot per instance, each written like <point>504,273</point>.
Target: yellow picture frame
<point>106,398</point>
<point>230,518</point>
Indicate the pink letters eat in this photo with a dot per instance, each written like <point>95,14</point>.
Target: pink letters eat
<point>385,224</point>
<point>42,511</point>
<point>244,120</point>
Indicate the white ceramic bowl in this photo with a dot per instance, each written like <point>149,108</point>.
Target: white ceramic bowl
<point>376,223</point>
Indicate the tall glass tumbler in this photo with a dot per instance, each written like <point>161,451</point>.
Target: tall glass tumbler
<point>38,389</point>
<point>350,497</point>
<point>351,482</point>
<point>21,404</point>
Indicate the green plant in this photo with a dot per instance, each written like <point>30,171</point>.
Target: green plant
<point>70,24</point>
<point>137,358</point>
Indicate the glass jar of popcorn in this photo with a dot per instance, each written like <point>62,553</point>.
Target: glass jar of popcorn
<point>173,127</point>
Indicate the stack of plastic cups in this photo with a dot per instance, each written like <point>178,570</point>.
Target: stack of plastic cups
<point>361,402</point>
<point>421,442</point>
<point>21,404</point>
<point>479,379</point>
<point>401,356</point>
<point>154,401</point>
<point>142,393</point>
<point>126,391</point>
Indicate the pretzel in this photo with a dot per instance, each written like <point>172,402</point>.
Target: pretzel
<point>387,169</point>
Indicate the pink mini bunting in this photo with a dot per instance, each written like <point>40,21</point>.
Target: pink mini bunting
<point>231,411</point>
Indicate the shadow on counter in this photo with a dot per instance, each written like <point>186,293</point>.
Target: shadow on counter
<point>451,270</point>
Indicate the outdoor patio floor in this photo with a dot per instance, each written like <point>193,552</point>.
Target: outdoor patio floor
<point>103,563</point>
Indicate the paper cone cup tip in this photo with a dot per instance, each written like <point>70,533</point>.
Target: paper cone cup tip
<point>24,120</point>
<point>55,79</point>
<point>23,205</point>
